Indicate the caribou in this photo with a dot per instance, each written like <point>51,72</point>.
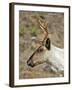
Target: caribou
<point>47,52</point>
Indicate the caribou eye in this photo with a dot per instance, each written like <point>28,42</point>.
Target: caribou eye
<point>48,44</point>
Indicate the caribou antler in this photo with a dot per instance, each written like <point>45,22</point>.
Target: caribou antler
<point>43,25</point>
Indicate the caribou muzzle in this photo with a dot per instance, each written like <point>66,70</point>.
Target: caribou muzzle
<point>30,63</point>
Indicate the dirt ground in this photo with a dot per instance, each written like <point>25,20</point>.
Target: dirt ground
<point>29,30</point>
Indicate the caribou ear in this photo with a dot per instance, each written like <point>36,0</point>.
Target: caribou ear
<point>48,44</point>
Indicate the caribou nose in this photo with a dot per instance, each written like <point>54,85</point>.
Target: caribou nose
<point>30,63</point>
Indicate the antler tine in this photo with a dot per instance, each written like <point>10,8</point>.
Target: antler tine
<point>43,26</point>
<point>41,22</point>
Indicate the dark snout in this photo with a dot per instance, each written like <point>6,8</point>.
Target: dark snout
<point>30,63</point>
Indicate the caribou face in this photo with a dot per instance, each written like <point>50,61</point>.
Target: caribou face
<point>39,54</point>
